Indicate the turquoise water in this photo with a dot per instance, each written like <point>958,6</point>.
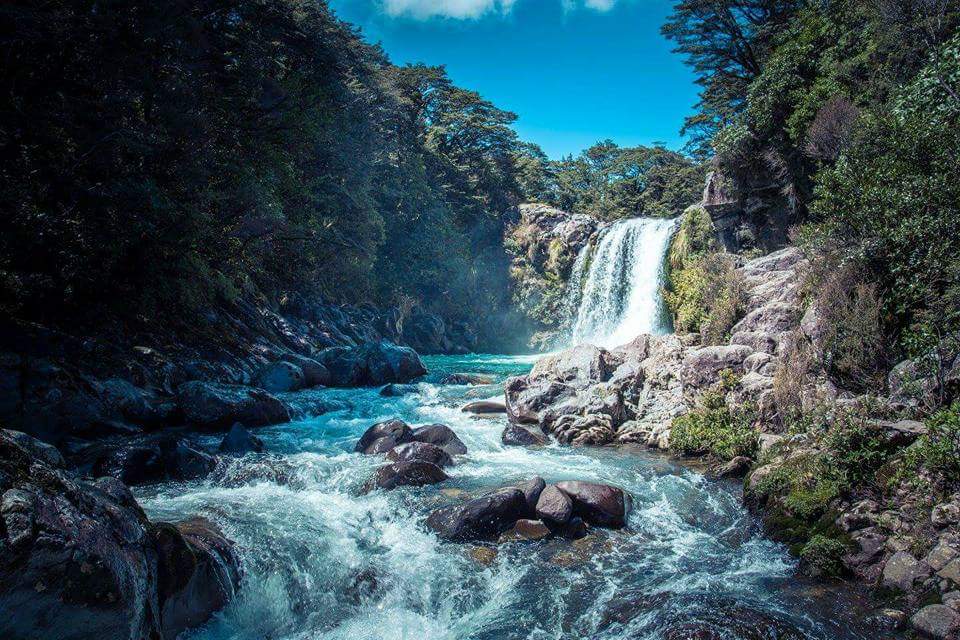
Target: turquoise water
<point>324,559</point>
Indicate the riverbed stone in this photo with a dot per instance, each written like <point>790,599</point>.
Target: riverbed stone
<point>420,451</point>
<point>383,436</point>
<point>526,530</point>
<point>240,441</point>
<point>937,621</point>
<point>442,436</point>
<point>599,504</point>
<point>281,376</point>
<point>412,473</point>
<point>554,506</point>
<point>483,407</point>
<point>523,436</point>
<point>903,571</point>
<point>532,489</point>
<point>214,405</point>
<point>483,518</point>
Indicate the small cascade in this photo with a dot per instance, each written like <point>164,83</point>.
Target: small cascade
<point>618,297</point>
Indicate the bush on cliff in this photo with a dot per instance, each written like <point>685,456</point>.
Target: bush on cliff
<point>936,454</point>
<point>712,428</point>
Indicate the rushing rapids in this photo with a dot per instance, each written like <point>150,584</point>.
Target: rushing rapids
<point>618,298</point>
<point>325,559</point>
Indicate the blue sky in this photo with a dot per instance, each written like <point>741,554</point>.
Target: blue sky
<point>574,71</point>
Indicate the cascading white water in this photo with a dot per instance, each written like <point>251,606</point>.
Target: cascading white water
<point>621,296</point>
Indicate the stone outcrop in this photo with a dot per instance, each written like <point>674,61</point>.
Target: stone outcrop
<point>544,244</point>
<point>211,405</point>
<point>80,559</point>
<point>630,395</point>
<point>371,364</point>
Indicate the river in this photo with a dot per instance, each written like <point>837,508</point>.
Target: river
<point>325,559</point>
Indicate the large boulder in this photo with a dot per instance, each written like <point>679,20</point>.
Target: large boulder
<point>198,573</point>
<point>442,436</point>
<point>81,560</point>
<point>702,367</point>
<point>532,489</point>
<point>937,621</point>
<point>420,451</point>
<point>280,376</point>
<point>214,405</point>
<point>239,441</point>
<point>384,436</point>
<point>153,460</point>
<point>578,366</point>
<point>414,473</point>
<point>554,506</point>
<point>371,364</point>
<point>483,518</point>
<point>598,504</point>
<point>314,373</point>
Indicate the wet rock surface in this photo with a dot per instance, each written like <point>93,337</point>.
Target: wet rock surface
<point>80,559</point>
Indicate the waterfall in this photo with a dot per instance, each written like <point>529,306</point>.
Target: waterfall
<point>620,296</point>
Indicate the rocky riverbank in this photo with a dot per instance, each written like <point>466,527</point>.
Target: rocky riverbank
<point>850,492</point>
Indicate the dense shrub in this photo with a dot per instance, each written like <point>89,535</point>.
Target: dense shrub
<point>938,452</point>
<point>706,295</point>
<point>824,554</point>
<point>714,429</point>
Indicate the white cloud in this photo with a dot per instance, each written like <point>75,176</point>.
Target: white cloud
<point>459,9</point>
<point>471,9</point>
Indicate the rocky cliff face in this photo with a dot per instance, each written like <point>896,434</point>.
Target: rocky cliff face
<point>747,212</point>
<point>544,245</point>
<point>631,394</point>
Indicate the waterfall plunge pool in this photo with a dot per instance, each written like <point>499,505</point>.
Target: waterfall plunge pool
<point>324,560</point>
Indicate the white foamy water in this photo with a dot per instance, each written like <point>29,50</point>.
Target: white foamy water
<point>323,559</point>
<point>620,297</point>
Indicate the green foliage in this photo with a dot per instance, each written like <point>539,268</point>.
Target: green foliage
<point>706,295</point>
<point>895,198</point>
<point>824,554</point>
<point>155,161</point>
<point>938,452</point>
<point>712,428</point>
<point>804,485</point>
<point>612,182</point>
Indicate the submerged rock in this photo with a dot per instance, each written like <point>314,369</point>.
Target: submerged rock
<point>213,405</point>
<point>483,518</point>
<point>523,436</point>
<point>153,460</point>
<point>394,390</point>
<point>467,378</point>
<point>524,529</point>
<point>484,407</point>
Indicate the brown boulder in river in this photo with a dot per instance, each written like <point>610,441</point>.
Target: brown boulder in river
<point>598,504</point>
